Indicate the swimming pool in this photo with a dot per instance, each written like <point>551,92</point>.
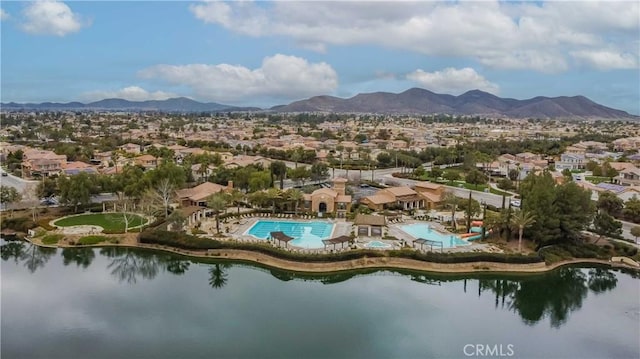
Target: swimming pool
<point>420,230</point>
<point>377,244</point>
<point>306,234</point>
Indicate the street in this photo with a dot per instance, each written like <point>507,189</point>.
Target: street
<point>24,187</point>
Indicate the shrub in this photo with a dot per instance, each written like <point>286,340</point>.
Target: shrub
<point>52,238</point>
<point>18,224</point>
<point>89,240</point>
<point>466,257</point>
<point>44,223</point>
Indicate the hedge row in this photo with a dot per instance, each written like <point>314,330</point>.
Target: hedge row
<point>186,241</point>
<point>466,257</point>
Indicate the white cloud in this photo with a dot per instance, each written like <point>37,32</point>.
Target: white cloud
<point>606,60</point>
<point>50,17</point>
<point>3,15</point>
<point>280,77</point>
<point>497,34</point>
<point>453,81</point>
<point>131,93</point>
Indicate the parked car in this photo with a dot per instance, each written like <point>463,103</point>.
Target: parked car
<point>515,203</point>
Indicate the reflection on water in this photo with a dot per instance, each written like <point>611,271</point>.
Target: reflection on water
<point>552,295</point>
<point>32,256</point>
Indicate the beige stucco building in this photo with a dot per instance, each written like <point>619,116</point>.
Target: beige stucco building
<point>330,200</point>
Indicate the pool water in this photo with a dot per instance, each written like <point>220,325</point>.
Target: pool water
<point>377,244</point>
<point>419,230</point>
<point>306,234</point>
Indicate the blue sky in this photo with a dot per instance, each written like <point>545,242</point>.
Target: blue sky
<point>268,53</point>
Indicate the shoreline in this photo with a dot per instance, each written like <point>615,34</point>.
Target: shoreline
<point>357,264</point>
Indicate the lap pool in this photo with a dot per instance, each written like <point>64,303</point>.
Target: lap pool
<point>306,234</point>
<point>420,230</point>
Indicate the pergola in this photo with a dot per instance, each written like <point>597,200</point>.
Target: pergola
<point>281,237</point>
<point>431,244</point>
<point>338,240</point>
<point>369,225</point>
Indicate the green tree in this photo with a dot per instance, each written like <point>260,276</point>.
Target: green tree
<point>566,173</point>
<point>218,202</point>
<point>258,198</point>
<point>300,174</point>
<point>319,171</point>
<point>505,184</point>
<point>46,188</point>
<point>384,159</point>
<point>591,165</point>
<point>274,195</point>
<point>610,203</point>
<point>513,174</point>
<point>451,175</point>
<point>476,177</point>
<point>9,195</point>
<point>561,211</point>
<point>259,180</point>
<point>605,225</point>
<point>75,190</point>
<point>451,202</point>
<point>521,220</point>
<point>635,231</point>
<point>609,171</point>
<point>631,209</point>
<point>295,196</point>
<point>279,170</point>
<point>436,172</point>
<point>236,196</point>
<point>176,221</point>
<point>419,171</point>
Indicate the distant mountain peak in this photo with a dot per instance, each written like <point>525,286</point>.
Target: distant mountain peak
<point>474,102</point>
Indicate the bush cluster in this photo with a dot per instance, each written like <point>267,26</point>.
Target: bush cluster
<point>52,238</point>
<point>18,224</point>
<point>90,240</point>
<point>466,257</point>
<point>44,223</point>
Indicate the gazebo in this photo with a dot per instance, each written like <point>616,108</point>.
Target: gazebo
<point>281,237</point>
<point>338,240</point>
<point>422,242</point>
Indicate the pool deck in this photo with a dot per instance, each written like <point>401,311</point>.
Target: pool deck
<point>395,231</point>
<point>238,227</point>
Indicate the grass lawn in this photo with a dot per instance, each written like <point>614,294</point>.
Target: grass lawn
<point>108,221</point>
<point>596,179</point>
<point>52,238</point>
<point>88,240</point>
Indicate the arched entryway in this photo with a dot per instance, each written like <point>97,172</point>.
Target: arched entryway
<point>322,207</point>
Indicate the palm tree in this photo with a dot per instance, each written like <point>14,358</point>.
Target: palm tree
<point>218,203</point>
<point>451,201</point>
<point>236,196</point>
<point>295,195</point>
<point>258,198</point>
<point>274,194</point>
<point>522,219</point>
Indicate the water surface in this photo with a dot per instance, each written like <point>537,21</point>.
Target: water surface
<point>118,303</point>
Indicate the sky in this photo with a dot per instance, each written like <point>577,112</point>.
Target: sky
<point>265,53</point>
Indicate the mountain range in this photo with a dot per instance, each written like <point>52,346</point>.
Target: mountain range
<point>475,102</point>
<point>413,101</point>
<point>179,104</point>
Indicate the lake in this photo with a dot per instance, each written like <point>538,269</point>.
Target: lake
<point>122,303</point>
